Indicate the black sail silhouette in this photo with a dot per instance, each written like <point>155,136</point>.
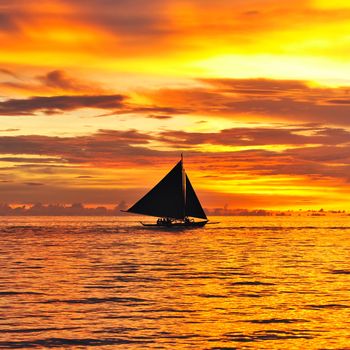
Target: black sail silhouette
<point>193,206</point>
<point>166,199</point>
<point>173,197</point>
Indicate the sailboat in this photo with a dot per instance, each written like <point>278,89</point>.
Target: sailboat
<point>173,200</point>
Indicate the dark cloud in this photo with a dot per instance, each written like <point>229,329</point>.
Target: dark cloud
<point>53,82</point>
<point>291,162</point>
<point>130,25</point>
<point>259,137</point>
<point>9,130</point>
<point>324,153</point>
<point>134,25</point>
<point>71,93</point>
<point>162,117</point>
<point>314,151</point>
<point>106,146</point>
<point>160,109</point>
<point>294,165</point>
<point>339,102</point>
<point>7,22</point>
<point>141,25</point>
<point>109,144</point>
<point>252,13</point>
<point>28,159</point>
<point>279,99</point>
<point>292,109</point>
<point>319,153</point>
<point>263,85</point>
<point>156,111</point>
<point>55,104</point>
<point>60,80</point>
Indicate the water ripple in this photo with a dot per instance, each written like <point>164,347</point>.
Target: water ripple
<point>59,342</point>
<point>277,320</point>
<point>97,300</point>
<point>265,283</point>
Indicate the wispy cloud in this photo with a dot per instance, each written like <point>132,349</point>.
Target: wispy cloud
<point>55,104</point>
<point>8,72</point>
<point>259,136</point>
<point>52,82</point>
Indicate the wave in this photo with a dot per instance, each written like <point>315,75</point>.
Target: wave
<point>277,320</point>
<point>340,272</point>
<point>251,283</point>
<point>10,292</point>
<point>37,330</point>
<point>328,306</point>
<point>60,342</point>
<point>97,300</point>
<point>269,335</point>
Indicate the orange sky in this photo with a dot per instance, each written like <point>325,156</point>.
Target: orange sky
<point>99,98</point>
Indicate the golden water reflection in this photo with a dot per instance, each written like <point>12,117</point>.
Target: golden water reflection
<point>247,283</point>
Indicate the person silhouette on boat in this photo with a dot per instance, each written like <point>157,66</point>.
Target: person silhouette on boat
<point>164,221</point>
<point>187,220</point>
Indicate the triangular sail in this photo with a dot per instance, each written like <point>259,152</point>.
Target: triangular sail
<point>193,206</point>
<point>166,199</point>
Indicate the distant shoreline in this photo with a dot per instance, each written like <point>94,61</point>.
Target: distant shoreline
<point>79,209</point>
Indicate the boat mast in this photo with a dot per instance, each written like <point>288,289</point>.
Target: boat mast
<point>183,184</point>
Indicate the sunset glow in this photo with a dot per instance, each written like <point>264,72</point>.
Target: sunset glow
<point>99,98</point>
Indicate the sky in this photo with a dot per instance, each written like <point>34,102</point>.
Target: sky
<point>98,98</point>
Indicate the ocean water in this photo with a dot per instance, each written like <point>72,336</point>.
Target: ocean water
<point>108,283</point>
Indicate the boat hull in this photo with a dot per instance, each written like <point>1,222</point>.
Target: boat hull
<point>176,224</point>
